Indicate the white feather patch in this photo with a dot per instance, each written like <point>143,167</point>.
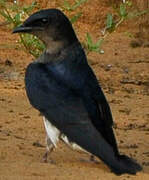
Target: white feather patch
<point>55,135</point>
<point>52,132</point>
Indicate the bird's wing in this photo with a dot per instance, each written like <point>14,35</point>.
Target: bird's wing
<point>98,109</point>
<point>65,109</point>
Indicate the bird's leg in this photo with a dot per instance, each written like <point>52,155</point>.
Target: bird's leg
<point>52,138</point>
<point>50,148</point>
<point>92,159</point>
<point>45,156</point>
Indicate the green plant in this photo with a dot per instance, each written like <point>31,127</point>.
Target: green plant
<point>112,22</point>
<point>67,6</point>
<point>122,14</point>
<point>75,17</point>
<point>14,14</point>
<point>72,7</point>
<point>91,46</point>
<point>32,44</point>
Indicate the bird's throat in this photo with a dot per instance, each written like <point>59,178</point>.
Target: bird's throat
<point>54,47</point>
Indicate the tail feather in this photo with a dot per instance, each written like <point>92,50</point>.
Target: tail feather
<point>126,165</point>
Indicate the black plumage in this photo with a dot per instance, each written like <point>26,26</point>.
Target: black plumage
<point>63,87</point>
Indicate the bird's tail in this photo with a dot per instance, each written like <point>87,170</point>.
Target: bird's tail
<point>88,138</point>
<point>126,165</point>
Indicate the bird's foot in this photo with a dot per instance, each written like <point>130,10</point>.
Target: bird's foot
<point>90,160</point>
<point>46,160</point>
<point>45,157</point>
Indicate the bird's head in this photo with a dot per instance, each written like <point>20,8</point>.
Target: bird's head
<point>52,27</point>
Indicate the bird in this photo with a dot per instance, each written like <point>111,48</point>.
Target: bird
<point>63,87</point>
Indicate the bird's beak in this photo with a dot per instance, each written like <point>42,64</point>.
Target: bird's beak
<point>26,29</point>
<point>22,29</point>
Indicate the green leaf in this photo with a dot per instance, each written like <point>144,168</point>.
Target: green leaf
<point>67,6</point>
<point>123,11</point>
<point>89,39</point>
<point>129,3</point>
<point>93,46</point>
<point>75,17</point>
<point>109,21</point>
<point>17,19</point>
<point>78,3</point>
<point>99,42</point>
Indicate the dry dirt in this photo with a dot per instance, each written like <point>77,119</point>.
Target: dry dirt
<point>123,72</point>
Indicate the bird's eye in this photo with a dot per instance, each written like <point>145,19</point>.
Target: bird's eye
<point>44,21</point>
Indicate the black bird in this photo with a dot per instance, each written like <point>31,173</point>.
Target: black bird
<point>63,87</point>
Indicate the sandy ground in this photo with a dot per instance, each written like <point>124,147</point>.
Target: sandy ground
<point>123,74</point>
